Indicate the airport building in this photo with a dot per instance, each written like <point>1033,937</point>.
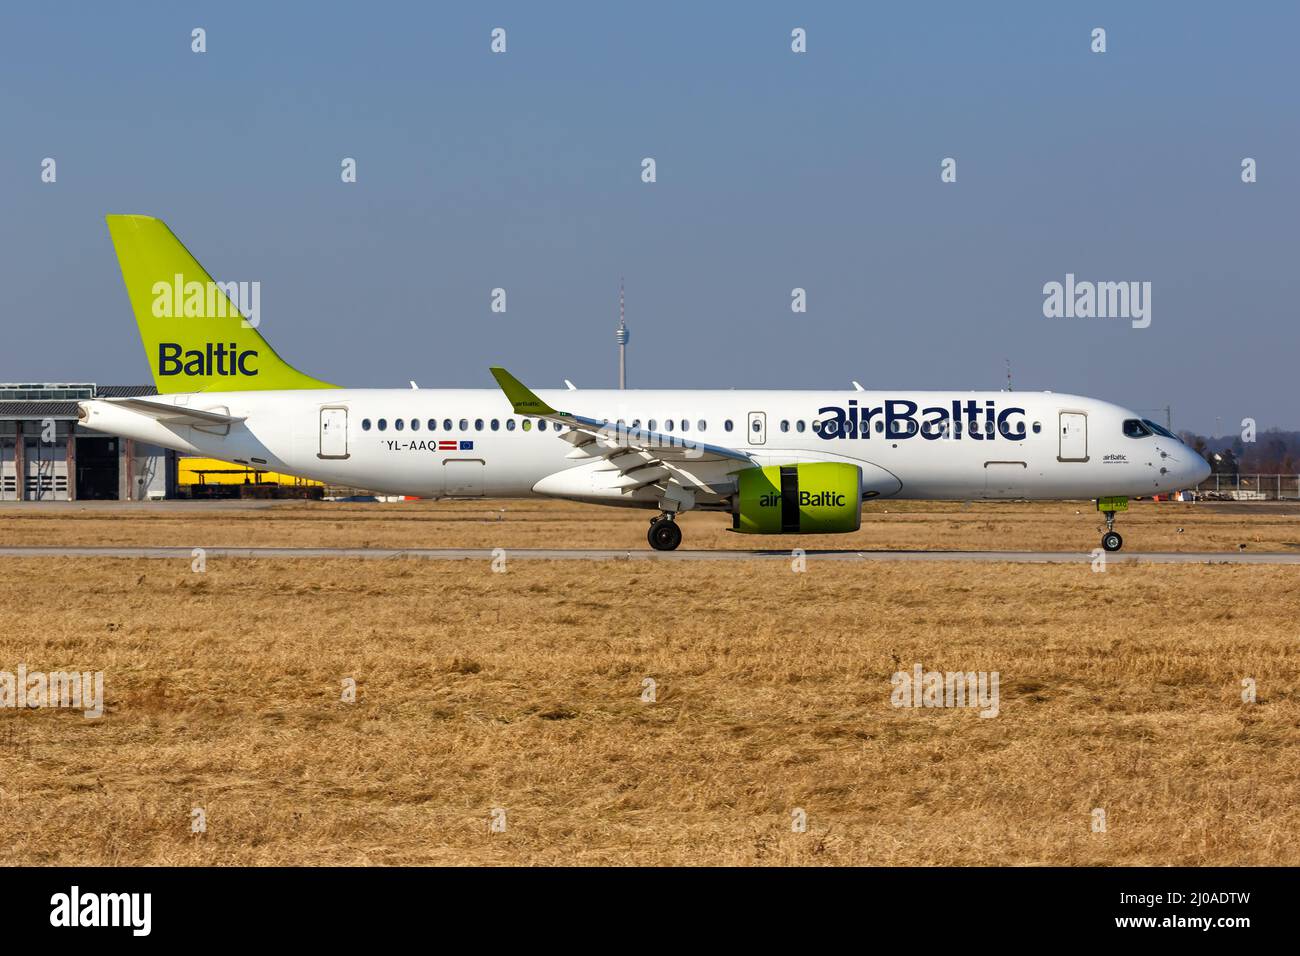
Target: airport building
<point>46,456</point>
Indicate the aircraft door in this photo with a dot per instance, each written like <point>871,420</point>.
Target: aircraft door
<point>462,477</point>
<point>333,433</point>
<point>1074,437</point>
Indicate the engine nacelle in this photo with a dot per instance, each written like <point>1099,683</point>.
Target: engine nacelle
<point>816,497</point>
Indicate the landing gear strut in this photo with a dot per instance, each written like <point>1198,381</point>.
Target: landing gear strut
<point>664,535</point>
<point>1111,541</point>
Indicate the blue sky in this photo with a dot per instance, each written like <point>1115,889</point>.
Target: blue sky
<point>775,170</point>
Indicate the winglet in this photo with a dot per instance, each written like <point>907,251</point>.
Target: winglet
<point>521,397</point>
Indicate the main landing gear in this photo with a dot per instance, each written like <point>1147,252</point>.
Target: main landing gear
<point>1111,541</point>
<point>664,534</point>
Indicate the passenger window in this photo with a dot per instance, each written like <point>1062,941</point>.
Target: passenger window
<point>433,424</point>
<point>785,425</point>
<point>1038,427</point>
<point>365,424</point>
<point>383,424</point>
<point>726,425</point>
<point>799,426</point>
<point>415,424</point>
<point>880,427</point>
<point>478,424</point>
<point>496,424</point>
<point>528,424</point>
<point>446,424</point>
<point>686,424</point>
<point>510,424</point>
<point>668,425</point>
<point>464,424</point>
<point>541,424</point>
<point>701,425</point>
<point>399,424</point>
<point>650,424</point>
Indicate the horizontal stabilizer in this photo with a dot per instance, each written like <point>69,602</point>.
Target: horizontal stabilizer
<point>173,414</point>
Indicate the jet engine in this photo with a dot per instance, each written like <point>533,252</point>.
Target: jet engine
<point>820,497</point>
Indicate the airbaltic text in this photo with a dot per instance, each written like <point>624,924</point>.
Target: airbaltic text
<point>898,418</point>
<point>216,359</point>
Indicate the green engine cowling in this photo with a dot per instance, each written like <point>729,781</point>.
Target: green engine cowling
<point>818,497</point>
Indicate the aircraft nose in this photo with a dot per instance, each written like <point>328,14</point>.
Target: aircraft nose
<point>1199,470</point>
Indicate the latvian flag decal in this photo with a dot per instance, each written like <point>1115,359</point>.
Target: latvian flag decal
<point>452,446</point>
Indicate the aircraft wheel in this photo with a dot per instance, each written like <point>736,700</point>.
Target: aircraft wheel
<point>1111,541</point>
<point>664,535</point>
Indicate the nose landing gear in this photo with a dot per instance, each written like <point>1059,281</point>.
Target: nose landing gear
<point>664,534</point>
<point>1111,541</point>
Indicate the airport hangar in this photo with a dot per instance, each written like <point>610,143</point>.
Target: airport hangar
<point>46,456</point>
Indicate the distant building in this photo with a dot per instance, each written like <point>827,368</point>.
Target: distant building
<point>46,456</point>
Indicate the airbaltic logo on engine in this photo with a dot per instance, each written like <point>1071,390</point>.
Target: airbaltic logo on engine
<point>807,499</point>
<point>218,359</point>
<point>898,418</point>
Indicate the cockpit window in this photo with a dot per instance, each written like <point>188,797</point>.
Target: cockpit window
<point>1135,429</point>
<point>1159,429</point>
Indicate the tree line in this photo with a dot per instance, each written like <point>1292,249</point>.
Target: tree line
<point>1272,452</point>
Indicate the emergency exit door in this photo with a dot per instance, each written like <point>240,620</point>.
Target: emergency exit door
<point>333,433</point>
<point>1074,437</point>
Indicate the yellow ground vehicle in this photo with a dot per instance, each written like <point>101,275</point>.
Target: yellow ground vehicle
<point>210,478</point>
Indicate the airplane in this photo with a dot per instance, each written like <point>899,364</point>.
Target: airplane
<point>777,461</point>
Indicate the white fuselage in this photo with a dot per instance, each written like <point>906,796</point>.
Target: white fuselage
<point>1036,445</point>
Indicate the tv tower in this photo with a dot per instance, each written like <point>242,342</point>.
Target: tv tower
<point>621,336</point>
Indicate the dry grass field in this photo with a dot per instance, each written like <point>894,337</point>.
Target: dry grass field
<point>522,691</point>
<point>1016,526</point>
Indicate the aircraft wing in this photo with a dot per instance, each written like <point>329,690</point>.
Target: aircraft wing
<point>173,414</point>
<point>640,456</point>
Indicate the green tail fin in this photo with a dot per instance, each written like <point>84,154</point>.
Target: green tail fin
<point>194,335</point>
